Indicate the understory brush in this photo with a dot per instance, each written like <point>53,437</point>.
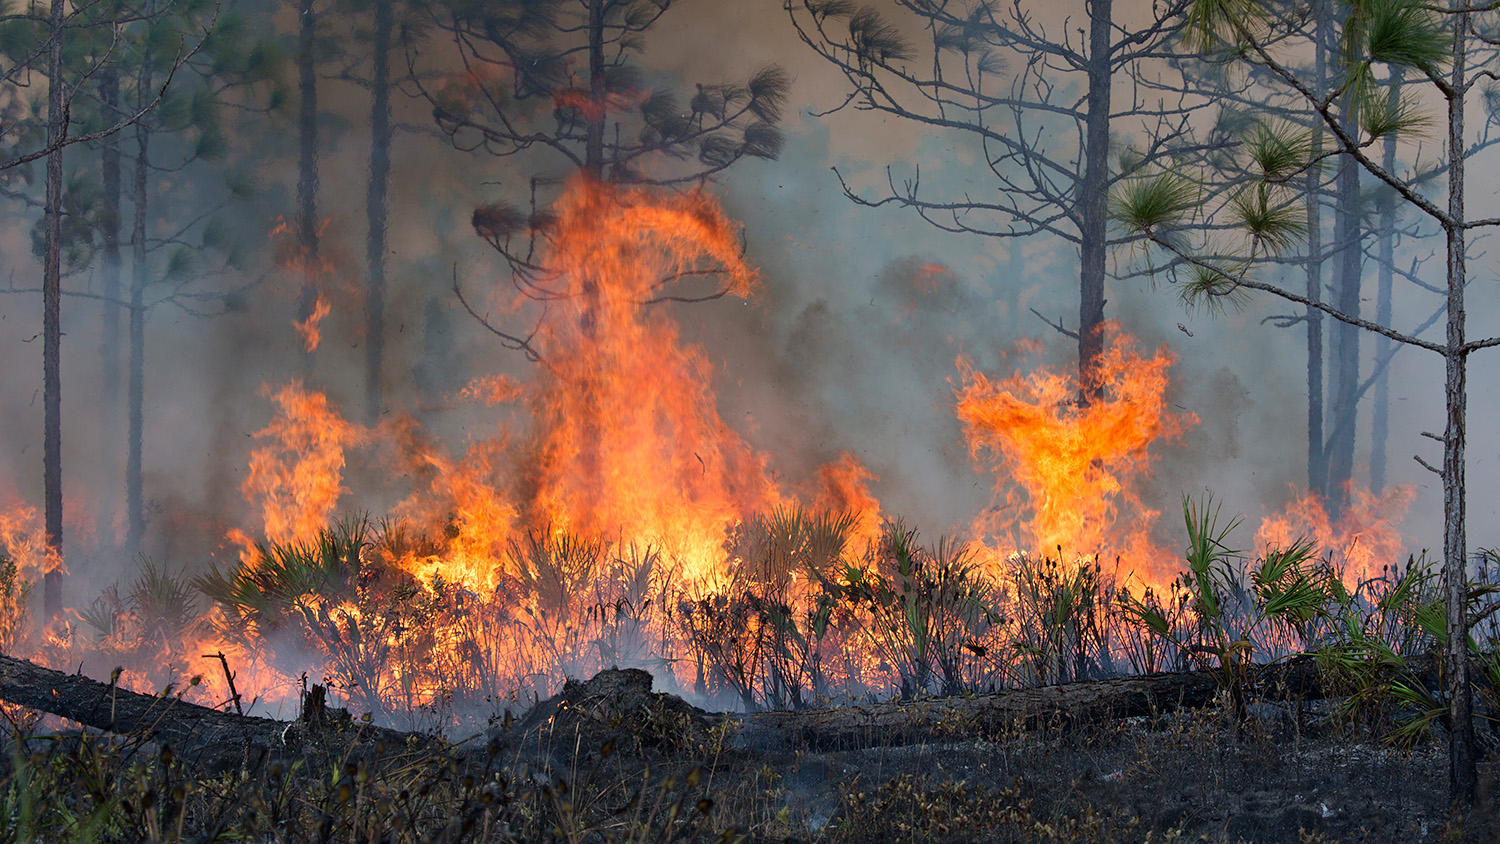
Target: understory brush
<point>798,613</point>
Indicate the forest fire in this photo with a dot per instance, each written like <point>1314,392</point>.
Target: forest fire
<point>628,523</point>
<point>635,420</point>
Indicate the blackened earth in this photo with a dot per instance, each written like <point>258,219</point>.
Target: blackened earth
<point>1287,774</point>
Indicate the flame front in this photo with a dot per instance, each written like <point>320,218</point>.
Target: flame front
<point>296,474</point>
<point>622,521</point>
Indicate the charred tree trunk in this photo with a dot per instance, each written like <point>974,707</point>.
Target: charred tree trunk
<point>57,127</point>
<point>591,305</point>
<point>1350,266</point>
<point>1093,202</point>
<point>1380,416</point>
<point>110,356</point>
<point>307,165</point>
<point>1462,751</point>
<point>375,209</point>
<point>897,723</point>
<point>212,739</point>
<point>220,739</point>
<point>135,508</point>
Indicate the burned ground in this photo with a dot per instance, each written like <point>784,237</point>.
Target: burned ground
<point>1285,774</point>
<point>609,759</point>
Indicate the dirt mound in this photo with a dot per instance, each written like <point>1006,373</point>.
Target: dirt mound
<point>615,711</point>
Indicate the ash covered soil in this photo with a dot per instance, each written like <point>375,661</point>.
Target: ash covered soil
<point>1285,774</point>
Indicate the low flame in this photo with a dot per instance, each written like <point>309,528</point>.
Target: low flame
<point>1362,541</point>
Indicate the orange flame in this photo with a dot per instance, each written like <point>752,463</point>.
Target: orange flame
<point>296,476</point>
<point>463,501</point>
<point>594,108</point>
<point>24,539</point>
<point>309,329</point>
<point>844,487</point>
<point>320,275</point>
<point>627,434</point>
<point>1364,539</point>
<point>1077,464</point>
<point>492,390</point>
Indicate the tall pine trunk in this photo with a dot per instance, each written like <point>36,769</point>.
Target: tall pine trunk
<point>52,316</point>
<point>1317,455</point>
<point>1346,337</point>
<point>110,267</point>
<point>598,94</point>
<point>135,510</point>
<point>1462,755</point>
<point>307,164</point>
<point>1093,206</point>
<point>1380,412</point>
<point>375,209</point>
<point>589,459</point>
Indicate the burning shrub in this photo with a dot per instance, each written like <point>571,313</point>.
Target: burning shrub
<point>923,607</point>
<point>1061,617</point>
<point>361,621</point>
<point>585,605</point>
<point>14,595</point>
<point>408,649</point>
<point>1237,610</point>
<point>153,627</point>
<point>760,636</point>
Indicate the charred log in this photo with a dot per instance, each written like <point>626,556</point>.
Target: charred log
<point>199,735</point>
<point>617,709</point>
<point>898,723</point>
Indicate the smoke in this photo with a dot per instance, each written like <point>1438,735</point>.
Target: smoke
<point>850,346</point>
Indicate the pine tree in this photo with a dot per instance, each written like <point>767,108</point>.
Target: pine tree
<point>1037,101</point>
<point>1438,49</point>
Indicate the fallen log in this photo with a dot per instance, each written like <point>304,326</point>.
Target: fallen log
<point>200,735</point>
<point>220,740</point>
<point>898,723</point>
